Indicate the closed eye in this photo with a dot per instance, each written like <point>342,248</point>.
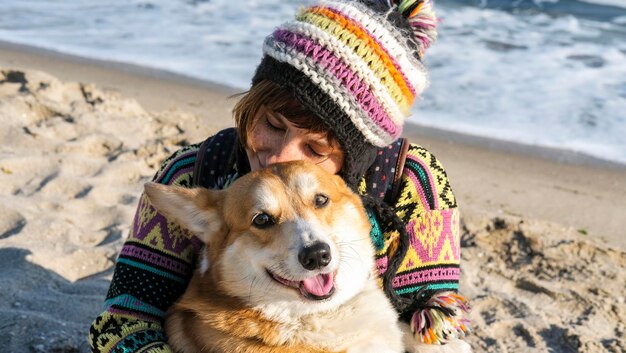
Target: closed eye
<point>272,123</point>
<point>316,153</point>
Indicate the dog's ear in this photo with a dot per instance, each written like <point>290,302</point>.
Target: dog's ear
<point>196,209</point>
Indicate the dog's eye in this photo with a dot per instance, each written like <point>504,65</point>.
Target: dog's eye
<point>321,200</point>
<point>263,220</point>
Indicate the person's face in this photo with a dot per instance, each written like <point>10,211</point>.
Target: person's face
<point>275,139</point>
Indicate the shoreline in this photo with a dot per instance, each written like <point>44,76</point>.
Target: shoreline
<point>130,68</point>
<point>552,154</point>
<point>20,53</point>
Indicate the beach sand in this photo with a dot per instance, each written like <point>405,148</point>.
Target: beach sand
<point>543,231</point>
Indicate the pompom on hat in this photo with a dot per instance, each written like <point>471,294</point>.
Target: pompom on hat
<point>357,66</point>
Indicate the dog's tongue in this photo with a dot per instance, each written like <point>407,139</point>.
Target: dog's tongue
<point>319,285</point>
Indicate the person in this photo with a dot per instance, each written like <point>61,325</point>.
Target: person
<point>334,87</point>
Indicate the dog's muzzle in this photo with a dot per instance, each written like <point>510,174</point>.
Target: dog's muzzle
<point>320,286</point>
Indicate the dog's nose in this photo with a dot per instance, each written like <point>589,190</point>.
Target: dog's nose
<point>315,256</point>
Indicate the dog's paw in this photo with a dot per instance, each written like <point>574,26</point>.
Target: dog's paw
<point>454,346</point>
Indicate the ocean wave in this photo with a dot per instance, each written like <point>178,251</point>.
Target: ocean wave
<point>614,3</point>
<point>601,10</point>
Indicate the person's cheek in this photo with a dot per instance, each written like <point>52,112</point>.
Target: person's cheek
<point>257,139</point>
<point>267,141</point>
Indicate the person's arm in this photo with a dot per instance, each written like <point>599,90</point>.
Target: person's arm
<point>151,272</point>
<point>428,275</point>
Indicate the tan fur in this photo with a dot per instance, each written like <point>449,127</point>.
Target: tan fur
<point>237,307</point>
<point>219,324</point>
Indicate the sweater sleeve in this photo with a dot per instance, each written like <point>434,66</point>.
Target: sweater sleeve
<point>429,272</point>
<point>428,207</point>
<point>153,269</point>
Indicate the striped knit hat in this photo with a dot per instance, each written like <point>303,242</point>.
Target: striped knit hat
<point>357,66</point>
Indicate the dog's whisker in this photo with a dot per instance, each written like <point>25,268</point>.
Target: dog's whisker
<point>348,264</point>
<point>352,241</point>
<point>251,285</point>
<point>344,251</point>
<point>350,254</point>
<point>267,287</point>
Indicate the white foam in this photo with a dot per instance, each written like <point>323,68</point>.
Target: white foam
<point>616,3</point>
<point>533,79</point>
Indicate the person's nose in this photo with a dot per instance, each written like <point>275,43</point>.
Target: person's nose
<point>286,151</point>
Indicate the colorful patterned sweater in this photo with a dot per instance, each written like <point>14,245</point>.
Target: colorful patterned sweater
<point>158,258</point>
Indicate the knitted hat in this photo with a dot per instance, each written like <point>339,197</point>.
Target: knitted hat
<point>357,66</point>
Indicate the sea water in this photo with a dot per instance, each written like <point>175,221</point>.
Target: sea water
<point>540,72</point>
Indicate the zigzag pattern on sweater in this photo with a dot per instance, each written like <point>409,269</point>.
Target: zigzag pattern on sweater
<point>428,208</point>
<point>117,333</point>
<point>151,272</point>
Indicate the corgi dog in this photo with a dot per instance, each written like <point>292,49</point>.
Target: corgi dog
<point>288,267</point>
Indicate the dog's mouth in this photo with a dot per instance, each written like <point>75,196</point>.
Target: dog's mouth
<point>319,287</point>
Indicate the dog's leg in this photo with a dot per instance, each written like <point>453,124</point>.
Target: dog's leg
<point>412,346</point>
<point>371,314</point>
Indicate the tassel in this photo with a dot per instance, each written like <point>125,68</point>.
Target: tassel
<point>442,319</point>
<point>422,19</point>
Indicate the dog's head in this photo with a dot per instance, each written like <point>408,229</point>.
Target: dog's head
<point>289,237</point>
